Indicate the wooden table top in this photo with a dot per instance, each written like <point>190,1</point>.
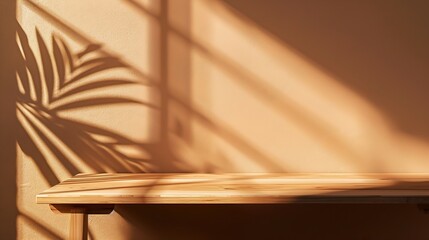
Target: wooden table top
<point>184,188</point>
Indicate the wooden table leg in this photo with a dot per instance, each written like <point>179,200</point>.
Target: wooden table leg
<point>78,228</point>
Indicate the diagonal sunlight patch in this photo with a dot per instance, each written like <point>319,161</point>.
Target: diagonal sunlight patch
<point>269,93</point>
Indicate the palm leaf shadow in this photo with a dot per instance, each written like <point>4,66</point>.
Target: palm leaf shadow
<point>45,87</point>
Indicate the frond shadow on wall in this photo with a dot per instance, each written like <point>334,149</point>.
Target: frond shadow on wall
<point>45,89</point>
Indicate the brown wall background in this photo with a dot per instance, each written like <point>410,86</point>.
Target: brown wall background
<point>8,207</point>
<point>377,48</point>
<point>214,86</point>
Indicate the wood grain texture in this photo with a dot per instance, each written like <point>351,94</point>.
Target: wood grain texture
<point>177,188</point>
<point>78,229</point>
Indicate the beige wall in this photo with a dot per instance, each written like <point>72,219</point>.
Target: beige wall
<point>222,86</point>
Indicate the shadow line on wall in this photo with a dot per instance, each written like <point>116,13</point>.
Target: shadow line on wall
<point>378,50</point>
<point>275,99</point>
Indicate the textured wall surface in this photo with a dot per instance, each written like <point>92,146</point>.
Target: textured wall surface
<point>218,86</point>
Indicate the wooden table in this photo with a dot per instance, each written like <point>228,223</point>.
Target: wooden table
<point>86,194</point>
